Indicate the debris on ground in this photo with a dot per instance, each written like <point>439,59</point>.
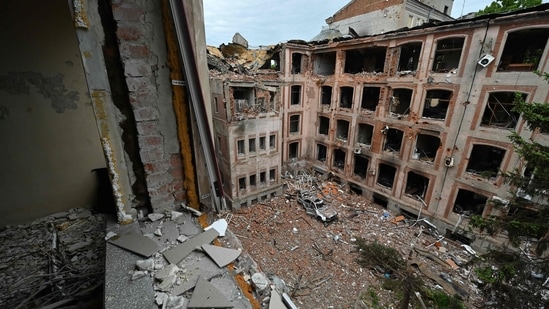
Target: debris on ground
<point>55,261</point>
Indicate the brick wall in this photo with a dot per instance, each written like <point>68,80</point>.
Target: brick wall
<point>142,49</point>
<point>359,7</point>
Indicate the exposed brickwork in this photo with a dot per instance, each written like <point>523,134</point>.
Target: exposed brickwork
<point>359,7</point>
<point>140,43</point>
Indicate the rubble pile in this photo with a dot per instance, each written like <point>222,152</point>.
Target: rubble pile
<point>317,262</point>
<point>55,261</point>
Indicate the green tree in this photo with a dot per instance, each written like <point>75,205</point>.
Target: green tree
<point>504,6</point>
<point>517,275</point>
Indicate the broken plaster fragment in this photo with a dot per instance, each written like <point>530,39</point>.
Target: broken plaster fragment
<point>175,214</point>
<point>155,217</point>
<point>182,238</point>
<point>138,274</point>
<point>220,226</point>
<point>147,264</point>
<point>167,283</point>
<point>160,298</point>
<point>173,302</point>
<point>168,271</point>
<point>158,232</point>
<point>110,235</point>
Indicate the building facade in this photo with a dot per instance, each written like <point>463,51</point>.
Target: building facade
<point>416,120</point>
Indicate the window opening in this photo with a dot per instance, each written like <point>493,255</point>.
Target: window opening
<point>272,175</point>
<point>242,97</point>
<point>272,141</point>
<point>436,104</point>
<point>293,150</point>
<point>485,161</point>
<point>251,145</point>
<point>416,185</point>
<point>386,175</point>
<point>262,178</point>
<point>361,166</point>
<point>240,147</point>
<point>242,183</point>
<point>321,153</point>
<point>262,143</point>
<point>409,57</point>
<point>294,124</point>
<point>365,133</point>
<point>448,54</point>
<point>326,95</point>
<point>355,189</point>
<point>253,180</point>
<point>324,125</point>
<point>523,50</point>
<point>342,132</point>
<point>370,98</point>
<point>400,102</point>
<point>380,200</point>
<point>426,148</point>
<point>324,63</point>
<point>346,97</point>
<point>393,140</point>
<point>370,59</point>
<point>339,159</point>
<point>295,95</point>
<point>469,203</point>
<point>296,63</point>
<point>499,110</point>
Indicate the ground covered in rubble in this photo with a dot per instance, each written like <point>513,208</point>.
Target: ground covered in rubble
<point>56,261</point>
<point>318,262</point>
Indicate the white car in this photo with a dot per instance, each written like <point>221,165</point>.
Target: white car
<point>316,207</point>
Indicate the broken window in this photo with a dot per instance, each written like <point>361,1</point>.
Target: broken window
<point>365,133</point>
<point>262,143</point>
<point>262,178</point>
<point>469,203</point>
<point>523,50</point>
<point>240,147</point>
<point>251,145</point>
<point>426,148</point>
<point>355,189</point>
<point>346,97</point>
<point>342,131</point>
<point>399,102</point>
<point>485,160</point>
<point>272,96</point>
<point>326,95</point>
<point>294,124</point>
<point>295,98</point>
<point>409,56</point>
<point>272,141</point>
<point>242,97</point>
<point>296,63</point>
<point>370,59</point>
<point>416,185</point>
<point>499,110</point>
<point>323,125</point>
<point>242,183</point>
<point>370,98</point>
<point>324,63</point>
<point>293,150</point>
<point>321,152</point>
<point>393,139</point>
<point>216,105</point>
<point>253,201</point>
<point>436,103</point>
<point>448,54</point>
<point>339,159</point>
<point>252,180</point>
<point>273,63</point>
<point>272,175</point>
<point>386,175</point>
<point>361,166</point>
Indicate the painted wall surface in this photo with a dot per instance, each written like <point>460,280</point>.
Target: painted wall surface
<point>48,136</point>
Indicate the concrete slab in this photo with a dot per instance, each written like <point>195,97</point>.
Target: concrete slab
<point>205,295</point>
<point>276,301</point>
<point>135,242</point>
<point>179,252</point>
<point>226,285</point>
<point>221,256</point>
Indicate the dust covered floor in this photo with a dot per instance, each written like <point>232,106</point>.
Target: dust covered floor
<point>318,264</point>
<point>55,261</point>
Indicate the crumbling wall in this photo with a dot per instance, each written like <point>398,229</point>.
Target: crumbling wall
<point>143,54</point>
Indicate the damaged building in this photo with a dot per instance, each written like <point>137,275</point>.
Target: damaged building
<point>416,120</point>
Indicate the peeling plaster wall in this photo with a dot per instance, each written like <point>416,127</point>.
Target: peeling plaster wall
<point>48,133</point>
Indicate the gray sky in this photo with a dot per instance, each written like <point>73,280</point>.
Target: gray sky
<point>268,22</point>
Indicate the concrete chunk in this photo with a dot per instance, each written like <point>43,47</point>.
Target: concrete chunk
<point>169,270</point>
<point>221,256</point>
<point>135,243</point>
<point>205,295</point>
<point>178,253</point>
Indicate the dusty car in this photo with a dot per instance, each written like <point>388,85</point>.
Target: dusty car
<point>316,207</point>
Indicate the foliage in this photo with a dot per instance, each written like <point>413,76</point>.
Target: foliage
<point>504,6</point>
<point>375,254</point>
<point>441,300</point>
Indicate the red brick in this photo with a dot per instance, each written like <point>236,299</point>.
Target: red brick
<point>180,196</point>
<point>129,33</point>
<point>147,127</point>
<point>145,113</point>
<point>151,140</point>
<point>124,12</point>
<point>177,173</point>
<point>175,161</point>
<point>151,154</point>
<point>133,51</point>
